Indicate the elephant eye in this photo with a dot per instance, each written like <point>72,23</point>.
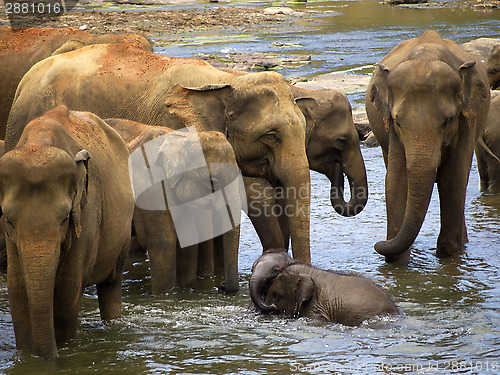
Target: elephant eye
<point>447,121</point>
<point>341,143</point>
<point>270,137</point>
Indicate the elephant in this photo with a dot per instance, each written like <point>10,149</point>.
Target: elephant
<point>493,67</point>
<point>67,203</point>
<point>332,148</point>
<point>255,111</point>
<point>427,103</point>
<point>488,150</point>
<point>171,265</point>
<point>480,48</point>
<point>21,48</point>
<point>280,285</point>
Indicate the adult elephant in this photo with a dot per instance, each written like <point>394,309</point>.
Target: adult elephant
<point>488,150</point>
<point>493,67</point>
<point>480,48</point>
<point>21,48</point>
<point>332,149</point>
<point>170,264</point>
<point>427,103</point>
<point>256,111</point>
<point>67,202</point>
<point>279,285</point>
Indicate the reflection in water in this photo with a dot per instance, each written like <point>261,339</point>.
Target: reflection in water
<point>450,308</point>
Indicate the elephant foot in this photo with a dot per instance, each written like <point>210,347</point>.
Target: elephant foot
<point>400,259</point>
<point>448,252</point>
<point>449,248</point>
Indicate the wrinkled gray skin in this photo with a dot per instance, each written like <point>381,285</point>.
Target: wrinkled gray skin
<point>263,270</point>
<point>21,48</point>
<point>493,68</point>
<point>67,203</point>
<point>427,104</point>
<point>302,290</point>
<point>487,50</point>
<point>488,151</point>
<point>255,111</point>
<point>332,148</point>
<point>170,264</point>
<point>481,48</point>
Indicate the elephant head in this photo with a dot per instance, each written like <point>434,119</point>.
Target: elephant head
<point>42,191</point>
<point>332,146</point>
<point>267,132</point>
<point>290,291</point>
<point>426,105</point>
<point>264,269</point>
<point>493,67</point>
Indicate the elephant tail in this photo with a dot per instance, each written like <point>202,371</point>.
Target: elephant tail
<point>487,149</point>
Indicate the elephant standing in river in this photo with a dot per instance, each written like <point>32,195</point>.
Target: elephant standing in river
<point>332,148</point>
<point>279,285</point>
<point>493,68</point>
<point>21,48</point>
<point>487,50</point>
<point>155,231</point>
<point>67,203</point>
<point>427,103</point>
<point>488,150</point>
<point>255,111</point>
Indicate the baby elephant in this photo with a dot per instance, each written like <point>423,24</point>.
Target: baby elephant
<point>297,289</point>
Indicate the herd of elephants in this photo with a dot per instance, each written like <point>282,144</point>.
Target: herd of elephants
<point>75,105</point>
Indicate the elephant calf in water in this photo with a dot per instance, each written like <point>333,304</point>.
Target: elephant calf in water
<point>278,284</point>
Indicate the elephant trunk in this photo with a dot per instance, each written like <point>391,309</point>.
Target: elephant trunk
<point>354,168</point>
<point>293,174</point>
<point>40,261</point>
<point>258,282</point>
<point>422,164</point>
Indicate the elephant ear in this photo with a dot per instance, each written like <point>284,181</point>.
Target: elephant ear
<point>308,106</point>
<point>303,291</point>
<point>474,91</point>
<point>379,94</point>
<point>80,198</point>
<point>69,46</point>
<point>204,106</point>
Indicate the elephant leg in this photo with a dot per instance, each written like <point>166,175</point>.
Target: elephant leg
<point>155,232</point>
<point>231,241</point>
<point>261,211</point>
<point>109,291</point>
<point>187,266</point>
<point>494,175</point>
<point>396,187</point>
<point>452,181</point>
<point>18,302</point>
<point>66,305</point>
<point>283,222</point>
<point>206,258</point>
<point>219,255</point>
<point>482,167</point>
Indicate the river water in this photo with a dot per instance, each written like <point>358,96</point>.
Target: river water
<point>450,321</point>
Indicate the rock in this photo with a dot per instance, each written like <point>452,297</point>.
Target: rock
<point>280,10</point>
<point>253,61</point>
<point>398,2</point>
<point>348,83</point>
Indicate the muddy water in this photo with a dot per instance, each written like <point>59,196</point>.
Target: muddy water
<point>450,320</point>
